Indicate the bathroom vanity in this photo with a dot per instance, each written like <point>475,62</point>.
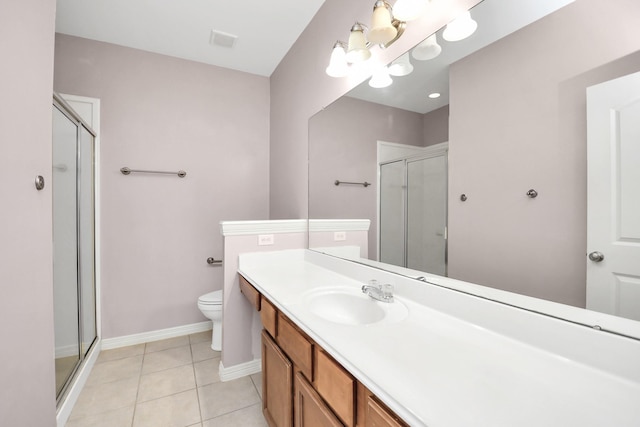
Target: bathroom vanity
<point>433,357</point>
<point>302,383</point>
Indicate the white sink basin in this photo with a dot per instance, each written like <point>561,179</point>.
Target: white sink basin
<point>350,306</point>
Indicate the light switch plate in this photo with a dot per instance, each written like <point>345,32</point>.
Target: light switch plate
<point>340,236</point>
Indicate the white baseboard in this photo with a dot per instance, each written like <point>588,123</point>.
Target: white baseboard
<point>239,371</point>
<point>66,406</point>
<point>160,334</point>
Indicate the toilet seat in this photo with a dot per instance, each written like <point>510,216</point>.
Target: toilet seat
<point>212,298</point>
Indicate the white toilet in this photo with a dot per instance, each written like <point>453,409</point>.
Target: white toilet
<point>211,306</point>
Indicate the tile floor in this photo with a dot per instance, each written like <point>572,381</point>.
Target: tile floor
<point>172,383</point>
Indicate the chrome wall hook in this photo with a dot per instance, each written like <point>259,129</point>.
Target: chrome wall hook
<point>532,193</point>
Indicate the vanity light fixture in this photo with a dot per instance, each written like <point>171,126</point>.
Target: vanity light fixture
<point>401,66</point>
<point>460,28</point>
<point>427,49</point>
<point>385,30</point>
<point>357,50</point>
<point>338,66</point>
<point>380,78</point>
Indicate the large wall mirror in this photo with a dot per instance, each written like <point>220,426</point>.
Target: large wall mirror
<point>511,118</point>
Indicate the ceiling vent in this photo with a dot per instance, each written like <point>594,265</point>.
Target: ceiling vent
<point>218,38</point>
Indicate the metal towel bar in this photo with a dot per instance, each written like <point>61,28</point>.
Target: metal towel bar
<point>364,184</point>
<point>126,171</point>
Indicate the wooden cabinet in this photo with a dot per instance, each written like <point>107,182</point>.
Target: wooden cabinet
<point>378,416</point>
<point>250,293</point>
<point>304,386</point>
<point>309,408</point>
<point>277,384</point>
<point>296,344</point>
<point>336,386</point>
<point>268,316</point>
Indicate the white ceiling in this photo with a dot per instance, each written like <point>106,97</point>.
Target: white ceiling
<point>182,28</point>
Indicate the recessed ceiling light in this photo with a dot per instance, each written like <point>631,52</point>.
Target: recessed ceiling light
<point>434,95</point>
<point>218,38</point>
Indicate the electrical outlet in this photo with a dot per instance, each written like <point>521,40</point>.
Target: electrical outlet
<point>340,236</point>
<point>265,239</point>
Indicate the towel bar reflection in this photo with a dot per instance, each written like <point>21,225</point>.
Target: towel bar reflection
<point>126,171</point>
<point>364,184</point>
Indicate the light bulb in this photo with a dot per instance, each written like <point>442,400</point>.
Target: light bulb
<point>338,66</point>
<point>460,28</point>
<point>427,49</point>
<point>380,78</point>
<point>408,10</point>
<point>401,66</point>
<point>381,31</point>
<point>357,50</point>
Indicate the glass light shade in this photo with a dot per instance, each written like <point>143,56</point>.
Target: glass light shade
<point>380,78</point>
<point>427,49</point>
<point>382,32</point>
<point>408,10</point>
<point>460,28</point>
<point>357,50</point>
<point>338,66</point>
<point>401,66</point>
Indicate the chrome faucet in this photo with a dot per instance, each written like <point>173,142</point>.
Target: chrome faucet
<point>383,293</point>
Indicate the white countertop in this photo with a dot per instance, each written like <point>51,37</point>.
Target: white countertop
<point>458,360</point>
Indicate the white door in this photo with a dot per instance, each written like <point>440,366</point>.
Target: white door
<point>613,207</point>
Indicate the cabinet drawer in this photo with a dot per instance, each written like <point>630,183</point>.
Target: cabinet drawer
<point>379,416</point>
<point>296,345</point>
<point>336,386</point>
<point>268,316</point>
<point>308,408</point>
<point>250,293</point>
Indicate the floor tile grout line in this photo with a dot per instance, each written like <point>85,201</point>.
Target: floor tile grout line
<point>195,381</point>
<point>135,403</point>
<point>233,411</point>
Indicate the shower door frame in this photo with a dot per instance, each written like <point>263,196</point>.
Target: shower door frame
<point>436,150</point>
<point>84,348</point>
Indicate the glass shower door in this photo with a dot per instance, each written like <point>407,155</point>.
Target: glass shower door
<point>427,215</point>
<point>74,296</point>
<point>392,230</point>
<point>86,244</point>
<point>65,248</point>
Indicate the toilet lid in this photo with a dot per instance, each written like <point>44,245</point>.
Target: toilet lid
<point>212,298</point>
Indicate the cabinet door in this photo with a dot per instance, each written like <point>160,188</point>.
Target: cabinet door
<point>310,410</point>
<point>277,384</point>
<point>378,416</point>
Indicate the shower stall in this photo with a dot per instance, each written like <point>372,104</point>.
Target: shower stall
<point>413,212</point>
<point>73,242</point>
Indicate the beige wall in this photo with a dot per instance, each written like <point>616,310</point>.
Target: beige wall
<point>164,113</point>
<point>27,383</point>
<point>435,126</point>
<point>343,146</point>
<point>525,127</point>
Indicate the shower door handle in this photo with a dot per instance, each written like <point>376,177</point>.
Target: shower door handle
<point>39,182</point>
